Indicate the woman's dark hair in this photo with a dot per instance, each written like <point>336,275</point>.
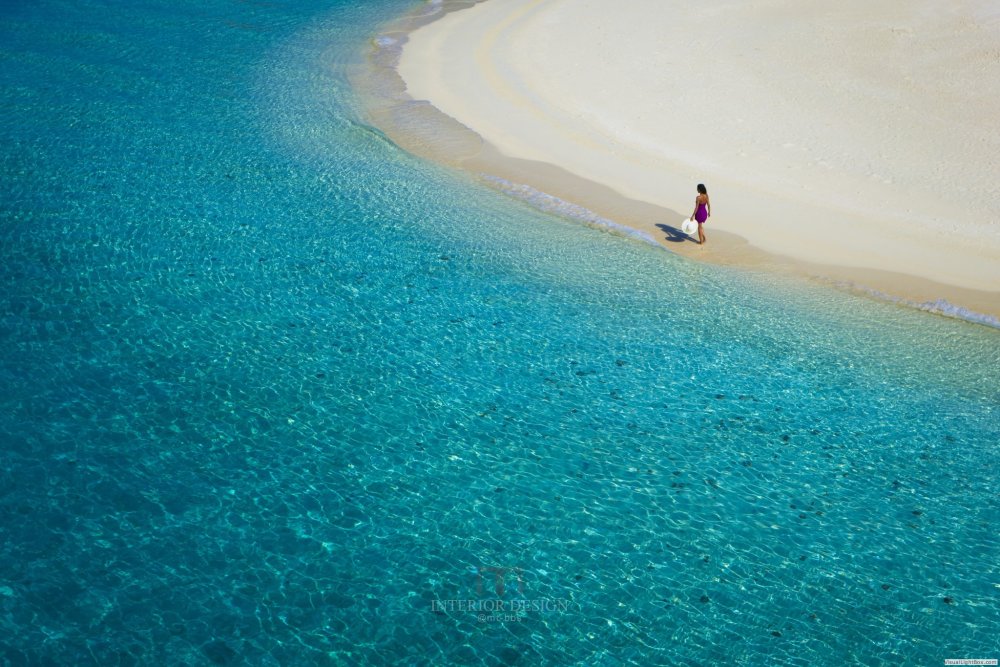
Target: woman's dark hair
<point>702,189</point>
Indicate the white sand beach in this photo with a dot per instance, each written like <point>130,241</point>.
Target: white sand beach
<point>859,139</point>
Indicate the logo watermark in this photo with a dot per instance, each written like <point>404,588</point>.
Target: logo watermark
<point>970,661</point>
<point>510,604</point>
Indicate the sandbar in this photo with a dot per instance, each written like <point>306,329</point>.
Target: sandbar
<point>850,142</point>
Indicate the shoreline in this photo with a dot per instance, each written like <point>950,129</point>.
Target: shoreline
<point>420,128</point>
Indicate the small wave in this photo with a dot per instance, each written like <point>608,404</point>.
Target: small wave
<point>551,204</point>
<point>943,307</point>
<point>387,50</point>
<point>938,307</point>
<point>433,7</point>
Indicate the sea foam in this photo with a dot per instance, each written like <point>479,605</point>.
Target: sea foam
<point>554,205</point>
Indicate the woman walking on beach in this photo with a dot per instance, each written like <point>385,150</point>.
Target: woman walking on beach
<point>702,211</point>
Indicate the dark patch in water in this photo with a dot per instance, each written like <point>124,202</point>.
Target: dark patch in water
<point>218,652</point>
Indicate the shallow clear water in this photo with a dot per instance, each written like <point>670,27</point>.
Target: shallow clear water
<point>276,393</point>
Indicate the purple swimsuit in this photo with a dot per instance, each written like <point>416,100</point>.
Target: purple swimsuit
<point>701,215</point>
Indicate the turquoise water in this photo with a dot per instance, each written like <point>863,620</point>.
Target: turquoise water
<point>275,392</point>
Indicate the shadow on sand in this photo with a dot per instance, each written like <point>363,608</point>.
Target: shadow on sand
<point>675,235</point>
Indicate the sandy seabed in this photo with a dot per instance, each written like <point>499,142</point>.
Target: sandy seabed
<point>853,143</point>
